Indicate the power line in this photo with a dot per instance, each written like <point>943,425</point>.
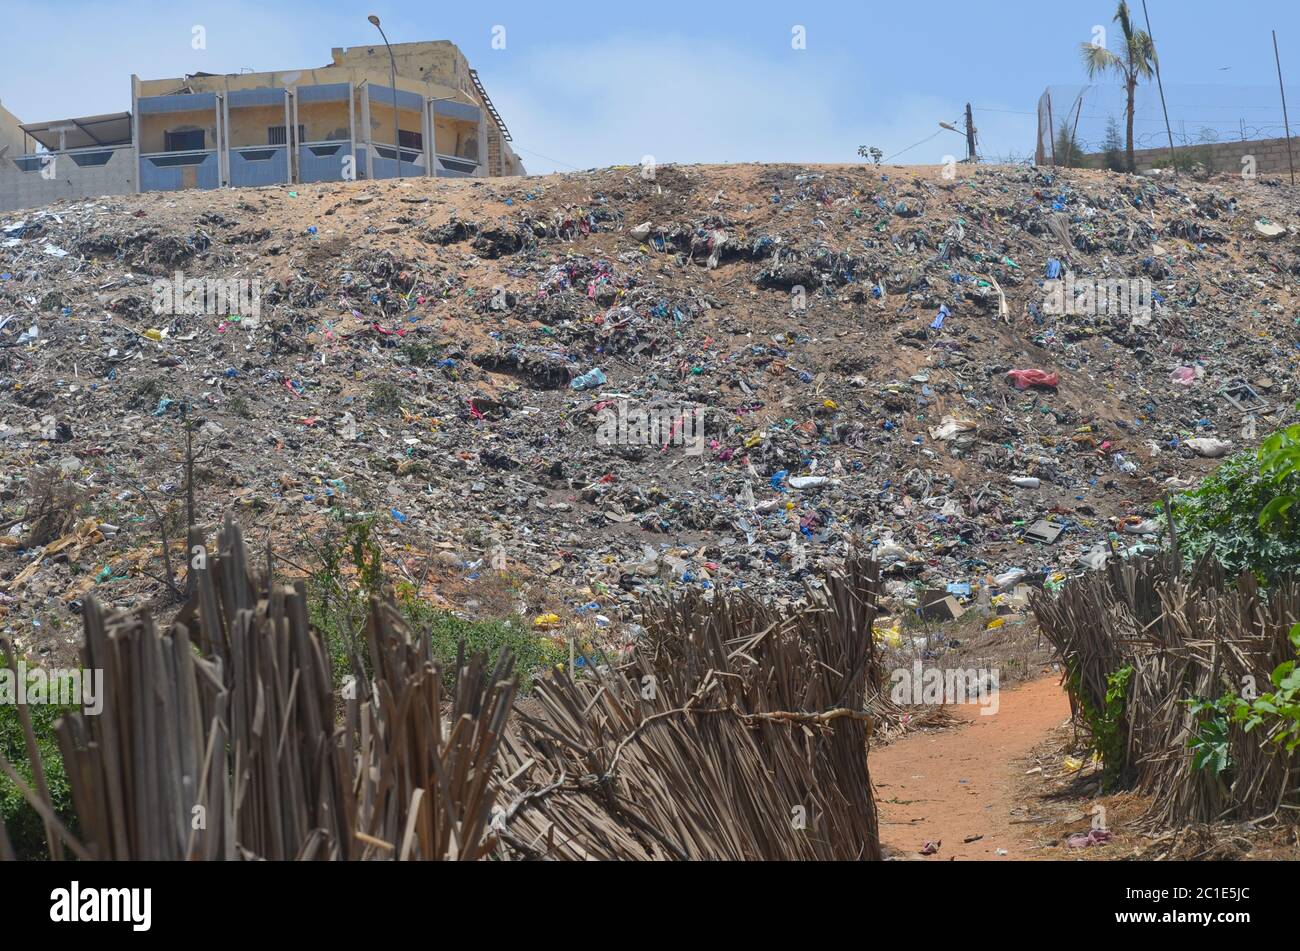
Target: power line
<point>1137,118</point>
<point>912,146</point>
<point>572,168</point>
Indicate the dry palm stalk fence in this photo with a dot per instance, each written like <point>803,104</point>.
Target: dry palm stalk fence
<point>1187,634</point>
<point>736,732</point>
<point>739,731</point>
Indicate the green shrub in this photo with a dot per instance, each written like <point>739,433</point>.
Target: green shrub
<point>338,606</point>
<point>419,354</point>
<point>1277,712</point>
<point>1109,726</point>
<point>1224,513</point>
<point>533,654</point>
<point>1279,461</point>
<point>385,398</point>
<point>26,830</point>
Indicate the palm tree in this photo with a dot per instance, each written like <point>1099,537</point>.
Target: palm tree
<point>1137,62</point>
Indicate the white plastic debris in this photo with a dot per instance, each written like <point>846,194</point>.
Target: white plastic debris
<point>1209,447</point>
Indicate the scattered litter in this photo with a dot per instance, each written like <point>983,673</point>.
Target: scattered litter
<point>808,362</point>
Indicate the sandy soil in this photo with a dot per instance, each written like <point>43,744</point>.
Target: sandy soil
<point>948,786</point>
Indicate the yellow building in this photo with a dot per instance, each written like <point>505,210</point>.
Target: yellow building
<point>339,122</point>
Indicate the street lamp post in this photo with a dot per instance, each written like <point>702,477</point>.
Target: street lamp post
<point>392,65</point>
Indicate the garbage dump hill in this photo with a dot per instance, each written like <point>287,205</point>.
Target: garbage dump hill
<point>607,381</point>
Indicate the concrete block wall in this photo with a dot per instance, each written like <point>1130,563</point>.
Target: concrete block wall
<point>1270,155</point>
<point>156,175</point>
<point>27,189</point>
<point>263,166</point>
<point>387,167</point>
<point>322,162</point>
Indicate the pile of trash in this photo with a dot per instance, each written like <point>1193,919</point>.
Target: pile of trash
<point>603,384</point>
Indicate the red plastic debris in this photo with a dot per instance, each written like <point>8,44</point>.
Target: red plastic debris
<point>1024,379</point>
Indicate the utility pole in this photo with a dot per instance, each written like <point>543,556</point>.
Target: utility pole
<point>1173,161</point>
<point>392,62</point>
<point>970,135</point>
<point>1051,129</point>
<point>1074,133</point>
<point>1289,160</point>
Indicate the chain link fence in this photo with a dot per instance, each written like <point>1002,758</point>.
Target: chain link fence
<point>1215,126</point>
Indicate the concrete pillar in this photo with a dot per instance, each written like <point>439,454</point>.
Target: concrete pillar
<point>288,138</point>
<point>225,134</point>
<point>365,126</point>
<point>483,119</point>
<point>352,125</point>
<point>223,153</point>
<point>294,172</point>
<point>429,120</point>
<point>135,127</point>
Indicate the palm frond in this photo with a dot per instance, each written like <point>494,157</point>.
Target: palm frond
<point>1139,50</point>
<point>1143,55</point>
<point>1125,24</point>
<point>1098,59</point>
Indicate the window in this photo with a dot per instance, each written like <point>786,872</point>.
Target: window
<point>457,165</point>
<point>89,159</point>
<point>410,140</point>
<point>408,156</point>
<point>172,161</point>
<point>183,141</point>
<point>275,134</point>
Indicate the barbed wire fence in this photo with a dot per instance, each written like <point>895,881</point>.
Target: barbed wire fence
<point>1199,115</point>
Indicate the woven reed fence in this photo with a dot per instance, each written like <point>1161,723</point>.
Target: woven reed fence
<point>737,732</point>
<point>1188,634</point>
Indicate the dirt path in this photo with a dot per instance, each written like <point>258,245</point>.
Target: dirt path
<point>953,784</point>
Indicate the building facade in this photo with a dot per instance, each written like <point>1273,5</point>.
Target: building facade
<point>341,122</point>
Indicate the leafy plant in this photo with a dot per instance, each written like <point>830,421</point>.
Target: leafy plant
<point>1236,511</point>
<point>533,654</point>
<point>350,569</point>
<point>1068,151</point>
<point>385,398</point>
<point>1279,461</point>
<point>1279,710</point>
<point>338,602</point>
<point>419,354</point>
<point>1210,741</point>
<point>23,823</point>
<point>1107,725</point>
<point>871,152</point>
<point>1113,146</point>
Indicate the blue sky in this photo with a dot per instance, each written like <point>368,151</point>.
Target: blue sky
<point>594,84</point>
